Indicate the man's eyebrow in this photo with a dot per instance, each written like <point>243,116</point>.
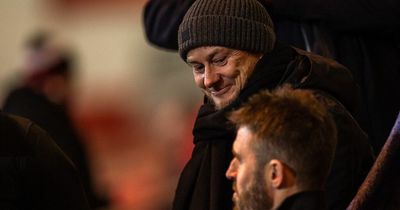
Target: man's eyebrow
<point>208,57</point>
<point>235,154</point>
<point>212,55</point>
<point>191,62</point>
<point>218,51</point>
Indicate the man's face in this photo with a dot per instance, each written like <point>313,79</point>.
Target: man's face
<point>250,189</point>
<point>221,72</point>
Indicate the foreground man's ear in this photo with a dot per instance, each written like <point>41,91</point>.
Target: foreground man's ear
<point>275,173</point>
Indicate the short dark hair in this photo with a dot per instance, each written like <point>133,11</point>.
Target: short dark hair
<point>291,125</point>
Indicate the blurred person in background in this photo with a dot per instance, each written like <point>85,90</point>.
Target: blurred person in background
<point>231,47</point>
<point>283,151</point>
<point>362,35</point>
<point>34,172</point>
<point>44,97</point>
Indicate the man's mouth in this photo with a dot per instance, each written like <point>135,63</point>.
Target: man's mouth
<point>220,92</point>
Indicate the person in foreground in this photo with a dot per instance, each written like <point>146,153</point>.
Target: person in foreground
<point>34,173</point>
<point>231,47</point>
<point>283,151</point>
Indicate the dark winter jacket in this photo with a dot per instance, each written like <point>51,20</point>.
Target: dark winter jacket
<point>203,185</point>
<point>362,35</point>
<point>34,173</point>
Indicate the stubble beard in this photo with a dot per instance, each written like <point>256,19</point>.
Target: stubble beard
<point>256,197</point>
<point>222,104</point>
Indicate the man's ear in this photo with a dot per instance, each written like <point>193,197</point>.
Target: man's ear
<point>275,173</point>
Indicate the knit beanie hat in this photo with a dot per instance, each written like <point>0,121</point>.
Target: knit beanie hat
<point>237,24</point>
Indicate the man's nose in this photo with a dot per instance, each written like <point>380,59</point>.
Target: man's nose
<point>231,172</point>
<point>210,77</point>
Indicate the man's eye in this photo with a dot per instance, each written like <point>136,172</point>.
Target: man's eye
<point>220,61</point>
<point>198,68</point>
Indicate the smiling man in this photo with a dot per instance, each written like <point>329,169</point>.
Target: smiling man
<point>231,47</point>
<point>282,152</point>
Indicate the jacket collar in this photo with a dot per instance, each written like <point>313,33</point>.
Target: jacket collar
<point>310,200</point>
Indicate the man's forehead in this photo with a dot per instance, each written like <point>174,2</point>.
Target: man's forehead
<point>243,137</point>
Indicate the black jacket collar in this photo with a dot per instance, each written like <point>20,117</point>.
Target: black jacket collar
<point>308,200</point>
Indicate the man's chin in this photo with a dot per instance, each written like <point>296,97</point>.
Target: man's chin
<point>218,102</point>
<point>235,204</point>
<point>220,106</point>
<point>235,207</point>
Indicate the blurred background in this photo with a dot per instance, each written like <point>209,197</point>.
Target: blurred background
<point>131,105</point>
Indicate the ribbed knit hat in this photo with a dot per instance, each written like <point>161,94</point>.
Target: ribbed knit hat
<point>237,24</point>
